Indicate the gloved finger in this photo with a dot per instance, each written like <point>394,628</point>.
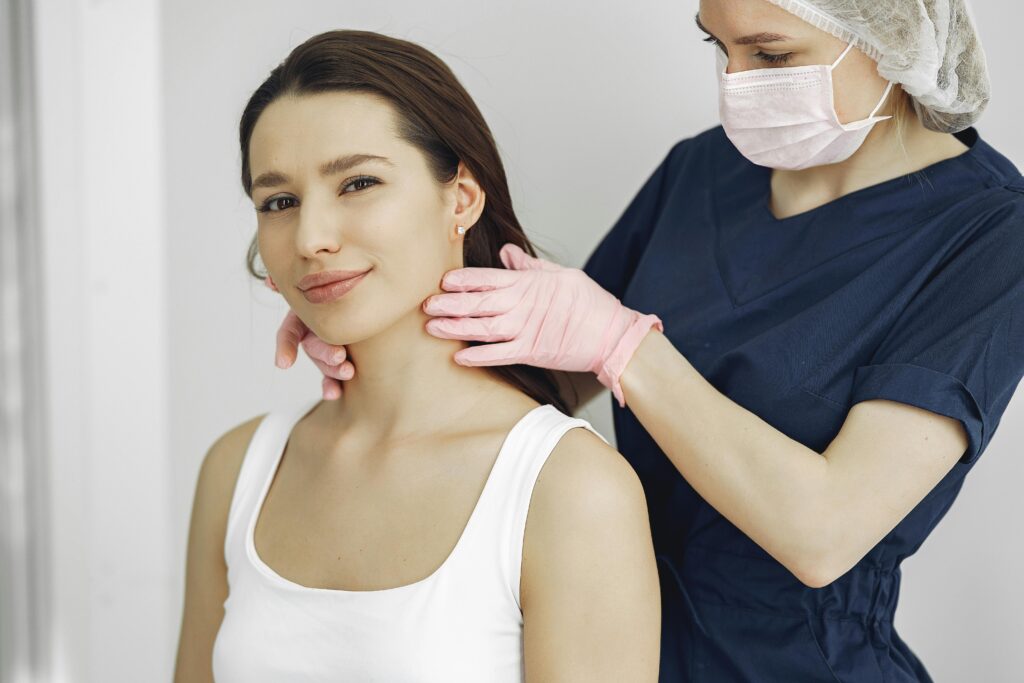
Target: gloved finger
<point>458,304</point>
<point>497,328</point>
<point>317,348</point>
<point>331,388</point>
<point>289,334</point>
<point>503,353</point>
<point>515,258</point>
<point>478,279</point>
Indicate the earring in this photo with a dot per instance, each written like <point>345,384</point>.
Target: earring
<point>461,229</point>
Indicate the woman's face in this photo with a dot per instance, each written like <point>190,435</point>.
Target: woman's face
<point>755,34</point>
<point>336,189</point>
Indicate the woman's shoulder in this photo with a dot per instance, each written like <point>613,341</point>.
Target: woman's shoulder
<point>211,502</point>
<point>219,469</point>
<point>580,463</point>
<point>587,530</point>
<point>583,459</point>
<point>585,488</point>
<point>228,450</point>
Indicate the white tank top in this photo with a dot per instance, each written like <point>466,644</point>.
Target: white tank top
<point>461,623</point>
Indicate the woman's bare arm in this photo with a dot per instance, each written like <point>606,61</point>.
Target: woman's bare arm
<point>816,513</point>
<point>206,585</point>
<point>589,588</point>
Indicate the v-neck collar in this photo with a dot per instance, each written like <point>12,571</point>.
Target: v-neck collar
<point>756,252</point>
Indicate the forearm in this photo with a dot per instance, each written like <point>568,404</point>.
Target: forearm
<point>770,486</point>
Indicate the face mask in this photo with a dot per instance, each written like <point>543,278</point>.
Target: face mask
<point>786,118</point>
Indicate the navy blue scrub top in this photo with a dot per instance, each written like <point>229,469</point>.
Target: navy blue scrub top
<point>910,290</point>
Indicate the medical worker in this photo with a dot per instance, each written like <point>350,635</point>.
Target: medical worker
<point>811,318</point>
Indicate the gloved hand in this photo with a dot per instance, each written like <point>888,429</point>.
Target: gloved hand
<point>540,314</point>
<point>330,359</point>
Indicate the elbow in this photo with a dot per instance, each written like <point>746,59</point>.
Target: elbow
<point>825,551</point>
<point>817,564</point>
<point>814,576</point>
<point>820,569</point>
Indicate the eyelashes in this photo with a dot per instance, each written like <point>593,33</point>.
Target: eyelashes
<point>773,59</point>
<point>359,179</point>
<point>265,206</point>
<point>363,182</point>
<point>715,41</point>
<point>763,56</point>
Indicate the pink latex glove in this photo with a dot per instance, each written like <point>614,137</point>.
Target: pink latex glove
<point>542,314</point>
<point>330,359</point>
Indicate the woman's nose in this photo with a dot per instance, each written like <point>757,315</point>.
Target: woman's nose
<point>319,228</point>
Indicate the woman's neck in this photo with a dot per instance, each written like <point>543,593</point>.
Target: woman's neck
<point>881,157</point>
<point>407,383</point>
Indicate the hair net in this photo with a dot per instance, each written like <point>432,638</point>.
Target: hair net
<point>930,47</point>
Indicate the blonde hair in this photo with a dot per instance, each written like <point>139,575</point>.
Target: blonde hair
<point>902,112</point>
<point>902,108</point>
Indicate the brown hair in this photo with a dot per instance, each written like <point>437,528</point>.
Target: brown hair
<point>436,115</point>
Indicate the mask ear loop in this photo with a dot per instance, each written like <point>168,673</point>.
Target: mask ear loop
<point>885,94</point>
<point>849,47</point>
<point>881,101</point>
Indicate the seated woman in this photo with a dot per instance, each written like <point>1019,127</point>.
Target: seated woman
<point>439,522</point>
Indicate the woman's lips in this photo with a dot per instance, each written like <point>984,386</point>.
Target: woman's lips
<point>333,290</point>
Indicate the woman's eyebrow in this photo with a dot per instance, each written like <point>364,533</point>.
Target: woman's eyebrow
<point>754,39</point>
<point>339,165</point>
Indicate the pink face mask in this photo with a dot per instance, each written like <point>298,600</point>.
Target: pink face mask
<point>785,117</point>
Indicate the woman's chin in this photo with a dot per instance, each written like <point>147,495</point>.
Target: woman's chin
<point>329,325</point>
<point>341,339</point>
<point>330,334</point>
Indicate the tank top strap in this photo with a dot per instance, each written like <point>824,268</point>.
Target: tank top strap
<point>268,441</point>
<point>502,510</point>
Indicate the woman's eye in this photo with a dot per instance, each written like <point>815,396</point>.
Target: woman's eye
<point>361,183</point>
<point>265,207</point>
<point>773,59</point>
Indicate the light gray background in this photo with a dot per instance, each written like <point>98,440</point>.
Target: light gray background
<point>140,104</point>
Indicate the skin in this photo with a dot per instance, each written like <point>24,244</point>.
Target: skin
<point>374,491</point>
<point>804,508</point>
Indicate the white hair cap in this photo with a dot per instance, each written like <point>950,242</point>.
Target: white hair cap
<point>930,47</point>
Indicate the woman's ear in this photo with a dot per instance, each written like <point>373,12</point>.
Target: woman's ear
<point>469,198</point>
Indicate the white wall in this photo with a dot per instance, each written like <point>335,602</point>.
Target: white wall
<point>584,100</point>
<point>116,573</point>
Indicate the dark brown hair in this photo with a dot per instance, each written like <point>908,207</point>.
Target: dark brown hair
<point>436,115</point>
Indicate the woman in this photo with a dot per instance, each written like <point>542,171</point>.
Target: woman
<point>443,523</point>
<point>839,268</point>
